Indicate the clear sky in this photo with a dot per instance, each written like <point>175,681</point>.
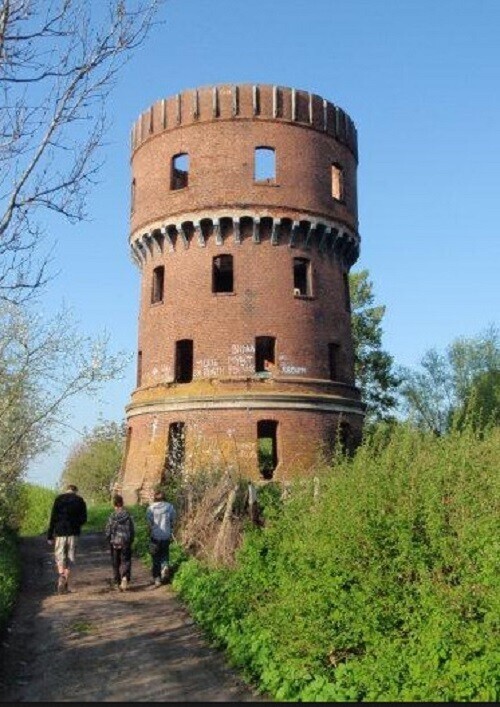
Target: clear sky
<point>421,81</point>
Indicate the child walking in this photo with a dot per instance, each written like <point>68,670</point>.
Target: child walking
<point>120,533</point>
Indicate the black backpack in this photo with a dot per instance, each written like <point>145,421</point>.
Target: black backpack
<point>120,532</point>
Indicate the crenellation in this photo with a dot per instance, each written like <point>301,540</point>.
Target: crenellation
<point>245,101</point>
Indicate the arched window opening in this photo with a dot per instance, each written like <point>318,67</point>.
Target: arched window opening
<point>180,171</point>
<point>222,273</point>
<point>184,361</point>
<point>301,276</point>
<point>158,284</point>
<point>265,353</point>
<point>267,447</point>
<point>265,164</point>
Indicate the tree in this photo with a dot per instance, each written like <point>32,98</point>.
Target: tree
<point>481,402</point>
<point>453,381</point>
<point>373,366</point>
<point>94,462</point>
<point>43,364</point>
<point>59,59</point>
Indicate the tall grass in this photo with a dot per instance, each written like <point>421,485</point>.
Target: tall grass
<point>381,587</point>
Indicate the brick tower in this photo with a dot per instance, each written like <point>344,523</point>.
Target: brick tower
<point>244,227</point>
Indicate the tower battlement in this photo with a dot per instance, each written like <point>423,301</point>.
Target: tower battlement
<point>245,102</point>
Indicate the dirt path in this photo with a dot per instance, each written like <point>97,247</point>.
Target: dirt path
<point>96,644</point>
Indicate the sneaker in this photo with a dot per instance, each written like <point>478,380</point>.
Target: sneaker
<point>124,584</point>
<point>165,573</point>
<point>157,582</point>
<point>62,585</point>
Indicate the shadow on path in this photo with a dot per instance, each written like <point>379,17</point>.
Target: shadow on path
<point>96,644</point>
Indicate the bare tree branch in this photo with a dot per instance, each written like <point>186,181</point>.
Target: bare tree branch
<point>59,60</point>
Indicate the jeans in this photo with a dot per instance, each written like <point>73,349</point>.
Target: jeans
<point>161,557</point>
<point>121,561</point>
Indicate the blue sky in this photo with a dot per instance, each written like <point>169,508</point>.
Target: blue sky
<point>421,81</point>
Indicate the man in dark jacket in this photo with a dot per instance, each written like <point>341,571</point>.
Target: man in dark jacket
<point>69,513</point>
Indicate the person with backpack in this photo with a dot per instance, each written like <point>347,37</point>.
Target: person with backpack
<point>160,517</point>
<point>120,533</point>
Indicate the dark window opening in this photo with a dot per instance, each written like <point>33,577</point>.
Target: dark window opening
<point>265,164</point>
<point>264,353</point>
<point>346,438</point>
<point>337,182</point>
<point>301,276</point>
<point>158,283</point>
<point>222,273</point>
<point>132,195</point>
<point>184,361</point>
<point>176,450</point>
<point>139,368</point>
<point>180,171</point>
<point>267,448</point>
<point>347,294</point>
<point>333,361</point>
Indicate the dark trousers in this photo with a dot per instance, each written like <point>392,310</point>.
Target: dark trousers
<point>161,557</point>
<point>121,561</point>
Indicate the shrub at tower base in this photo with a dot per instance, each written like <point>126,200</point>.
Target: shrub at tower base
<point>378,582</point>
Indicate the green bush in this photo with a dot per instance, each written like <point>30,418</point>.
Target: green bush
<point>35,507</point>
<point>10,573</point>
<point>381,587</point>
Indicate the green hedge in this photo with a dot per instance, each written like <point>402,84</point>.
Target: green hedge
<point>10,573</point>
<point>383,587</point>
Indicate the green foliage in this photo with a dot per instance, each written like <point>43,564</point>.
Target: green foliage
<point>373,366</point>
<point>381,587</point>
<point>94,462</point>
<point>455,384</point>
<point>10,573</point>
<point>35,507</point>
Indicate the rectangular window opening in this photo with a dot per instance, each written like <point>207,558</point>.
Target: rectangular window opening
<point>347,293</point>
<point>180,171</point>
<point>265,164</point>
<point>333,360</point>
<point>267,447</point>
<point>264,353</point>
<point>176,450</point>
<point>158,284</point>
<point>184,361</point>
<point>139,369</point>
<point>132,195</point>
<point>301,276</point>
<point>222,273</point>
<point>337,182</point>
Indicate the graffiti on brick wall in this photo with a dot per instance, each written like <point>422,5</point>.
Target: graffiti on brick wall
<point>289,368</point>
<point>241,360</point>
<point>208,368</point>
<point>160,374</point>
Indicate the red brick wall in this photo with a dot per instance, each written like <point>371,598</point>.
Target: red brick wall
<point>308,135</point>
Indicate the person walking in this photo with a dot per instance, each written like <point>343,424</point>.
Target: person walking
<point>120,533</point>
<point>68,514</point>
<point>160,517</point>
